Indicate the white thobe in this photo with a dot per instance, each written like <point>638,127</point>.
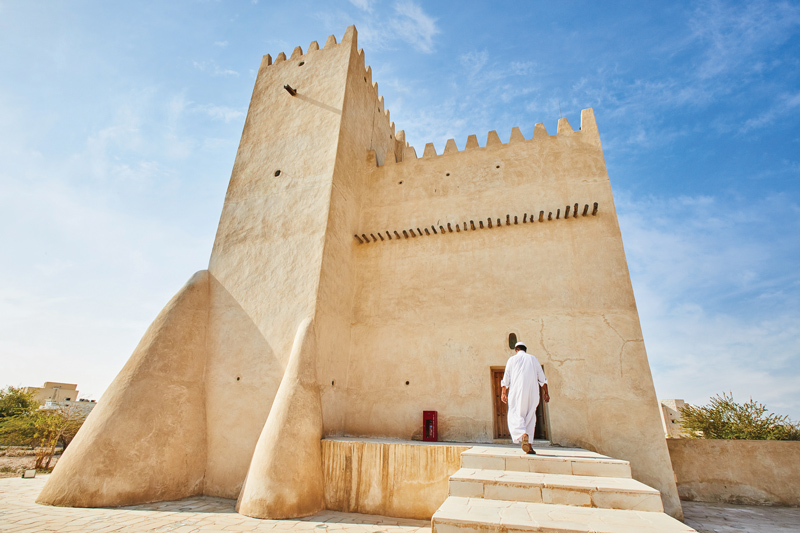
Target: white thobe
<point>523,377</point>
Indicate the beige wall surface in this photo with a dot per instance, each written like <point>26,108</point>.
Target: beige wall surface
<point>750,472</point>
<point>386,478</point>
<point>435,311</point>
<point>267,255</point>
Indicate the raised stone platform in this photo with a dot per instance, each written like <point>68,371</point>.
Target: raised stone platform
<point>557,489</point>
<point>464,515</point>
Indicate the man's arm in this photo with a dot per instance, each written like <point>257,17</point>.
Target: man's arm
<point>504,395</point>
<point>545,394</point>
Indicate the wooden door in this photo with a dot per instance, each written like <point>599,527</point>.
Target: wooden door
<point>500,409</point>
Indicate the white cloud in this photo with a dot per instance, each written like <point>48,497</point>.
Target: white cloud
<point>226,114</point>
<point>414,26</point>
<point>212,68</point>
<point>365,5</point>
<point>733,34</point>
<point>474,60</point>
<point>221,44</point>
<point>717,302</point>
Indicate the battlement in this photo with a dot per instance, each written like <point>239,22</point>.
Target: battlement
<point>350,38</point>
<point>587,133</point>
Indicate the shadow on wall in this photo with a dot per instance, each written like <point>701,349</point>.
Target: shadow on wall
<point>243,374</point>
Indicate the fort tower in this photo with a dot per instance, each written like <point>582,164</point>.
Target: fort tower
<point>353,284</point>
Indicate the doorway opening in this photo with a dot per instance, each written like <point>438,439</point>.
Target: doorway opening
<point>500,410</point>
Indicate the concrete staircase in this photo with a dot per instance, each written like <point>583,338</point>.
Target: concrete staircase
<point>501,489</point>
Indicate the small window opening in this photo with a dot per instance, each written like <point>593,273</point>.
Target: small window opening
<point>512,340</point>
<point>400,182</point>
<point>498,166</point>
<point>447,174</point>
<point>238,378</point>
<point>407,382</point>
<point>277,173</point>
<point>300,64</point>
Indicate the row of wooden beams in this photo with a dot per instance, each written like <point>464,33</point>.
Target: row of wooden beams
<point>570,211</point>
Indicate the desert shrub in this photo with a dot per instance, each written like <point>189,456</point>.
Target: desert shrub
<point>14,401</point>
<point>723,418</point>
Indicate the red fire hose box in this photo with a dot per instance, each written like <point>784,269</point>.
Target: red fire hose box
<point>430,426</point>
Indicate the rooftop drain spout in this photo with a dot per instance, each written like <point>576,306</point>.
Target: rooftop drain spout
<point>289,90</point>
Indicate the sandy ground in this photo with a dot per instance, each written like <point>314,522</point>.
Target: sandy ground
<point>13,466</point>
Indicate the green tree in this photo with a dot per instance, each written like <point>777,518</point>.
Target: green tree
<point>723,418</point>
<point>15,401</point>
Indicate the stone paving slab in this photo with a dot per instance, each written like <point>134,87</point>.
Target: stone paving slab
<point>465,515</point>
<point>569,461</point>
<point>19,513</point>
<point>729,518</point>
<point>583,491</point>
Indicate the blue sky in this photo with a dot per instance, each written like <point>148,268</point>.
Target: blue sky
<point>119,123</point>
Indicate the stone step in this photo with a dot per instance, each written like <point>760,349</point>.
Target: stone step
<point>580,491</point>
<point>548,460</point>
<point>465,515</point>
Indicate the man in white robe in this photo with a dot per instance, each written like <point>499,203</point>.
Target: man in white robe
<point>520,386</point>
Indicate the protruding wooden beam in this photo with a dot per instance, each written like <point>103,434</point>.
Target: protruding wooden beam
<point>558,214</point>
<point>419,231</point>
<point>472,225</point>
<point>480,223</point>
<point>358,239</point>
<point>405,234</point>
<point>427,232</point>
<point>566,212</point>
<point>389,235</point>
<point>498,223</point>
<point>525,218</point>
<point>490,223</point>
<point>441,230</point>
<point>541,216</point>
<point>365,237</point>
<point>594,209</point>
<point>434,230</point>
<point>449,229</point>
<point>585,209</point>
<point>411,231</point>
<point>289,90</point>
<point>515,219</point>
<point>373,237</point>
<point>508,220</point>
<point>575,211</point>
<point>458,228</point>
<point>396,234</point>
<point>550,215</point>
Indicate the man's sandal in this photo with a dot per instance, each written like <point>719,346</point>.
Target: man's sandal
<point>526,446</point>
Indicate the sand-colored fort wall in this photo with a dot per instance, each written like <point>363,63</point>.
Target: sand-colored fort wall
<point>435,311</point>
<point>749,472</point>
<point>388,478</point>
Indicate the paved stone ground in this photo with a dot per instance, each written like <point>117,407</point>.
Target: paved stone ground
<point>20,514</point>
<point>727,518</point>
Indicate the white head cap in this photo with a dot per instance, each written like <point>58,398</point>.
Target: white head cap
<point>520,344</point>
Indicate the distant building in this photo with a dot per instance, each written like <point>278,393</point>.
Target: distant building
<point>671,418</point>
<point>57,392</point>
<point>53,395</point>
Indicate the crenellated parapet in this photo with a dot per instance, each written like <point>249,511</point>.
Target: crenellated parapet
<point>299,56</point>
<point>586,133</point>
